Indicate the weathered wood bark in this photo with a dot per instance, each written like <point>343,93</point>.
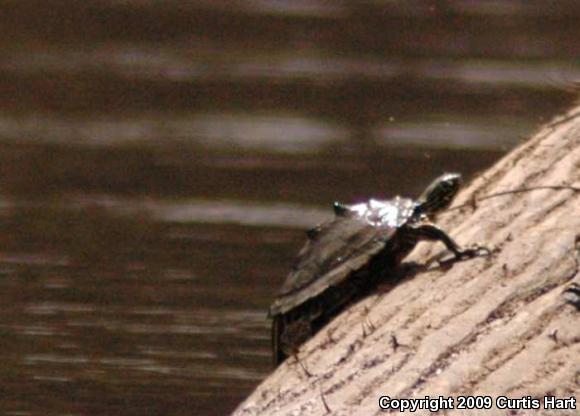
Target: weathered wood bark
<point>487,326</point>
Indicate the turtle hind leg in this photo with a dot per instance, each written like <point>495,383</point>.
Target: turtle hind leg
<point>277,329</point>
<point>288,336</point>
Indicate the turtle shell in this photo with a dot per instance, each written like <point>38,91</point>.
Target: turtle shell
<point>339,247</point>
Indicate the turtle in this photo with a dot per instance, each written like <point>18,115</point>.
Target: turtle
<point>346,257</point>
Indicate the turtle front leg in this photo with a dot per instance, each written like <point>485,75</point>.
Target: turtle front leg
<point>430,232</point>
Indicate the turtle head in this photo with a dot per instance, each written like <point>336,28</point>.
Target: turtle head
<point>439,194</point>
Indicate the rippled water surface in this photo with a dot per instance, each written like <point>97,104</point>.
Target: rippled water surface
<point>159,162</point>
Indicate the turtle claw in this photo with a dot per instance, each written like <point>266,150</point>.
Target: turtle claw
<point>465,254</point>
<point>572,295</point>
<point>474,251</point>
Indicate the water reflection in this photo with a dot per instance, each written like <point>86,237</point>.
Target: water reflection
<point>81,332</point>
<point>265,134</point>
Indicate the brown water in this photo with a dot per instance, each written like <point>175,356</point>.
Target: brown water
<point>159,162</point>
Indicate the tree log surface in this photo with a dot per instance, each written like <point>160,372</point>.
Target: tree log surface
<point>496,325</point>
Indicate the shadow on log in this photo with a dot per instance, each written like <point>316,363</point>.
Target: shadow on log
<point>504,325</point>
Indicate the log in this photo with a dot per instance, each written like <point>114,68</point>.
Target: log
<point>503,325</point>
